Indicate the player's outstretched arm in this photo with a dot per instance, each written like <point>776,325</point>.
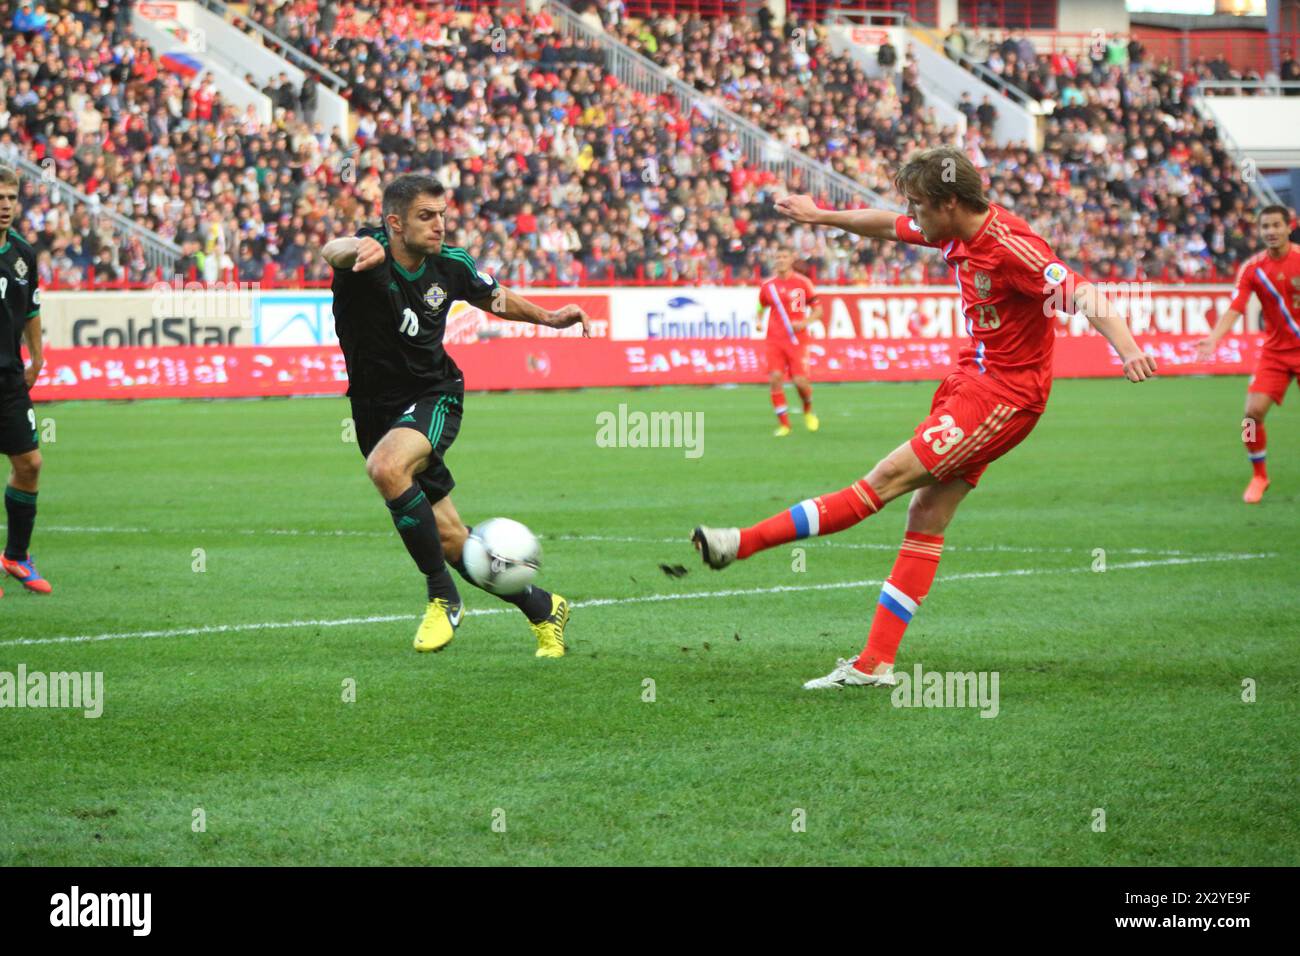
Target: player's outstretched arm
<point>511,305</point>
<point>1088,299</point>
<point>357,253</point>
<point>872,223</point>
<point>1205,347</point>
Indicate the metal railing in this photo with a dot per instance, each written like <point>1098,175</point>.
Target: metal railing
<point>761,148</point>
<point>286,50</point>
<point>159,253</point>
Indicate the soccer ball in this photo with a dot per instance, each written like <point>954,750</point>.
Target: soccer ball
<point>502,556</point>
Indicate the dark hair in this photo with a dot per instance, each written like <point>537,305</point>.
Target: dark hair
<point>405,189</point>
<point>943,172</point>
<point>8,177</point>
<point>1278,210</point>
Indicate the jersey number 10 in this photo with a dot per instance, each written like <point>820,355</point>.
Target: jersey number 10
<point>410,323</point>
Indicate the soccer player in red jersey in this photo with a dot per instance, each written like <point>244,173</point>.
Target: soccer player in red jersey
<point>1274,276</point>
<point>791,301</point>
<point>1011,287</point>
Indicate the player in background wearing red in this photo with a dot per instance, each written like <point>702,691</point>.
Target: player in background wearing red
<point>1011,286</point>
<point>1274,276</point>
<point>789,296</point>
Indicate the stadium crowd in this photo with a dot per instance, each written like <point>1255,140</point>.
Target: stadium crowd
<point>557,173</point>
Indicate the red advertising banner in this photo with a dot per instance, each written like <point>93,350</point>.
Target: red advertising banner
<point>565,362</point>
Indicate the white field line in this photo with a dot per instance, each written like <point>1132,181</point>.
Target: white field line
<point>684,539</point>
<point>611,602</point>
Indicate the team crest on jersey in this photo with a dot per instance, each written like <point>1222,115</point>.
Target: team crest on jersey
<point>983,284</point>
<point>1054,273</point>
<point>20,268</point>
<point>435,296</point>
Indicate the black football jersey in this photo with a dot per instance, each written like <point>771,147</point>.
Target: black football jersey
<point>390,322</point>
<point>20,299</point>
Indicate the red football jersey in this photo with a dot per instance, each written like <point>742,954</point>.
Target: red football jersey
<point>1011,285</point>
<point>1277,283</point>
<point>790,299</point>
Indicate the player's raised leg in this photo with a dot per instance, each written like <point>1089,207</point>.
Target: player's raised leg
<point>1255,440</point>
<point>898,473</point>
<point>20,511</point>
<point>392,465</point>
<point>547,613</point>
<point>931,509</point>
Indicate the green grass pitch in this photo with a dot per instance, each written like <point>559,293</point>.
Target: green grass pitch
<point>1120,691</point>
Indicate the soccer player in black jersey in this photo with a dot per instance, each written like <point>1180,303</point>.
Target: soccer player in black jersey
<point>20,314</point>
<point>393,287</point>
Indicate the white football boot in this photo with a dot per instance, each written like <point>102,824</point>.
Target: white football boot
<point>846,675</point>
<point>718,546</point>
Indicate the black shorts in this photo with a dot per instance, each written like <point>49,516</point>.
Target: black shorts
<point>436,416</point>
<point>17,417</point>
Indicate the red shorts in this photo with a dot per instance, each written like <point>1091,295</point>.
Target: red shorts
<point>786,356</point>
<point>968,427</point>
<point>1273,374</point>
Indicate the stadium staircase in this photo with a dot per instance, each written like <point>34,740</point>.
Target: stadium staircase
<point>160,254</point>
<point>208,36</point>
<point>761,149</point>
<point>943,82</point>
<point>844,43</point>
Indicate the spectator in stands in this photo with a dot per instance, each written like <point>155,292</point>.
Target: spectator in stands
<point>967,107</point>
<point>954,44</point>
<point>31,22</point>
<point>1289,72</point>
<point>987,114</point>
<point>105,268</point>
<point>1136,54</point>
<point>886,56</point>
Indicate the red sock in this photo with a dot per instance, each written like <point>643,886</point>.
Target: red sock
<point>816,516</point>
<point>1255,450</point>
<point>778,404</point>
<point>901,597</point>
<point>805,393</point>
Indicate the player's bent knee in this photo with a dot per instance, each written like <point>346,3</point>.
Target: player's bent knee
<point>386,474</point>
<point>27,468</point>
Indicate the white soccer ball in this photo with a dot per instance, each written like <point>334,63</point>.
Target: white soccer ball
<point>502,556</point>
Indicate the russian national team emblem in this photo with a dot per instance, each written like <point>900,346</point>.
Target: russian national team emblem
<point>983,285</point>
<point>435,297</point>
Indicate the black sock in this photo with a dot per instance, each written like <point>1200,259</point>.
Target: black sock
<point>535,602</point>
<point>413,516</point>
<point>20,507</point>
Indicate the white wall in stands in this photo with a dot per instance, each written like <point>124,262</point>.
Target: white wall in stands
<point>1084,16</point>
